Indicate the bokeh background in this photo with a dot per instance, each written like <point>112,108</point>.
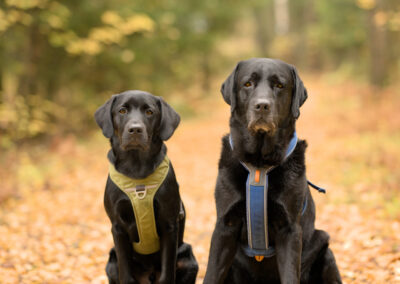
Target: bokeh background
<point>60,60</point>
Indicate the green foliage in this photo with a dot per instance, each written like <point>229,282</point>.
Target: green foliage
<point>362,36</point>
<point>341,30</point>
<point>28,117</point>
<point>75,54</point>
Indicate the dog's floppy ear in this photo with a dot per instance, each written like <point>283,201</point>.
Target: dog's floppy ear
<point>103,117</point>
<point>299,95</point>
<point>228,89</point>
<point>169,120</point>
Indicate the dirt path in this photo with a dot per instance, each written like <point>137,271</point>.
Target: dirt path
<point>57,232</point>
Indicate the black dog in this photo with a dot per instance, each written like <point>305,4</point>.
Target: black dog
<point>137,123</point>
<point>265,96</point>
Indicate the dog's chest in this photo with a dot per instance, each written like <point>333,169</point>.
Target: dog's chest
<point>277,218</point>
<point>276,212</point>
<point>127,218</point>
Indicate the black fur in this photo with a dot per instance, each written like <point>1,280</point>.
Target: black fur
<point>137,123</point>
<point>265,96</point>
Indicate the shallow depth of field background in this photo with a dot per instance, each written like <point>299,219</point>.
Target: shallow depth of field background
<point>60,60</point>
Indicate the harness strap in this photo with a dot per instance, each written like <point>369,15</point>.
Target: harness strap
<point>320,189</point>
<point>181,211</point>
<point>141,193</point>
<point>256,206</point>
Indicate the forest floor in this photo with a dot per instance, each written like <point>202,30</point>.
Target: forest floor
<point>53,228</point>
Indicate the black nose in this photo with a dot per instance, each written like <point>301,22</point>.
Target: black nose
<point>135,129</point>
<point>262,106</point>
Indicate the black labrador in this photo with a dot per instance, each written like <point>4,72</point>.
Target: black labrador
<point>265,96</point>
<point>137,123</point>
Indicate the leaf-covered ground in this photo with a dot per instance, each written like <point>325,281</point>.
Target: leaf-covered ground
<point>54,229</point>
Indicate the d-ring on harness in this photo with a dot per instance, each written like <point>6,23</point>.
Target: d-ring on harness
<point>256,206</point>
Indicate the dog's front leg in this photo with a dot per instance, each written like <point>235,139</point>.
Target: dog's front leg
<point>224,244</point>
<point>169,247</point>
<point>288,253</point>
<point>124,250</point>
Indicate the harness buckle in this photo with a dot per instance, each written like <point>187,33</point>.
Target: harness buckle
<point>259,258</point>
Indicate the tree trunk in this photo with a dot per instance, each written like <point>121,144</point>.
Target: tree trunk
<point>1,74</point>
<point>281,13</point>
<point>264,22</point>
<point>377,47</point>
<point>205,68</point>
<point>28,81</point>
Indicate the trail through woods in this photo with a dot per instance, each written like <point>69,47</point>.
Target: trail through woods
<point>56,231</point>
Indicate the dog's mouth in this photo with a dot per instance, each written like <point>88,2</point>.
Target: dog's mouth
<point>134,144</point>
<point>260,126</point>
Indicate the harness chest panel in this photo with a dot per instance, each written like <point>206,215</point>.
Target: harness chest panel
<point>257,212</point>
<point>141,193</point>
<point>256,207</point>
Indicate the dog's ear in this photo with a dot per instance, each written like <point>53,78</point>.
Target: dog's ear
<point>169,120</point>
<point>299,94</point>
<point>228,88</point>
<point>103,117</point>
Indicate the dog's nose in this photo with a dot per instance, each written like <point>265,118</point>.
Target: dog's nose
<point>262,106</point>
<point>135,129</point>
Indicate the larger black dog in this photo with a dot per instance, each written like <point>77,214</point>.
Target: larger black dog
<point>137,123</point>
<point>265,96</point>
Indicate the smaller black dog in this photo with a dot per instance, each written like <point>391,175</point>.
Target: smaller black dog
<point>148,220</point>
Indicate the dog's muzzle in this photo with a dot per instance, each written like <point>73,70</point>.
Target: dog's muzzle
<point>260,118</point>
<point>134,137</point>
<point>262,126</point>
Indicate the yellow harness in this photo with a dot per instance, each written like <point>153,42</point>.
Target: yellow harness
<point>141,193</point>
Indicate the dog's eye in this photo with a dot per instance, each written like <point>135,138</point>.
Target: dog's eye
<point>123,110</point>
<point>278,85</point>
<point>248,84</point>
<point>149,112</point>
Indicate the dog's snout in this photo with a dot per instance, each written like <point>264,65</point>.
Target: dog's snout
<point>262,105</point>
<point>135,129</point>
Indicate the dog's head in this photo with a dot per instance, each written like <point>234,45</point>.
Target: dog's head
<point>136,119</point>
<point>265,96</point>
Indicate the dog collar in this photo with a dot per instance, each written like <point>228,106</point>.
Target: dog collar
<point>256,206</point>
<point>141,193</point>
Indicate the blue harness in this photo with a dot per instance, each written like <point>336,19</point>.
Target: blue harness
<point>256,206</point>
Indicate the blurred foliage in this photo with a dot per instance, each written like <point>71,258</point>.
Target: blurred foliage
<point>60,60</point>
<point>357,37</point>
